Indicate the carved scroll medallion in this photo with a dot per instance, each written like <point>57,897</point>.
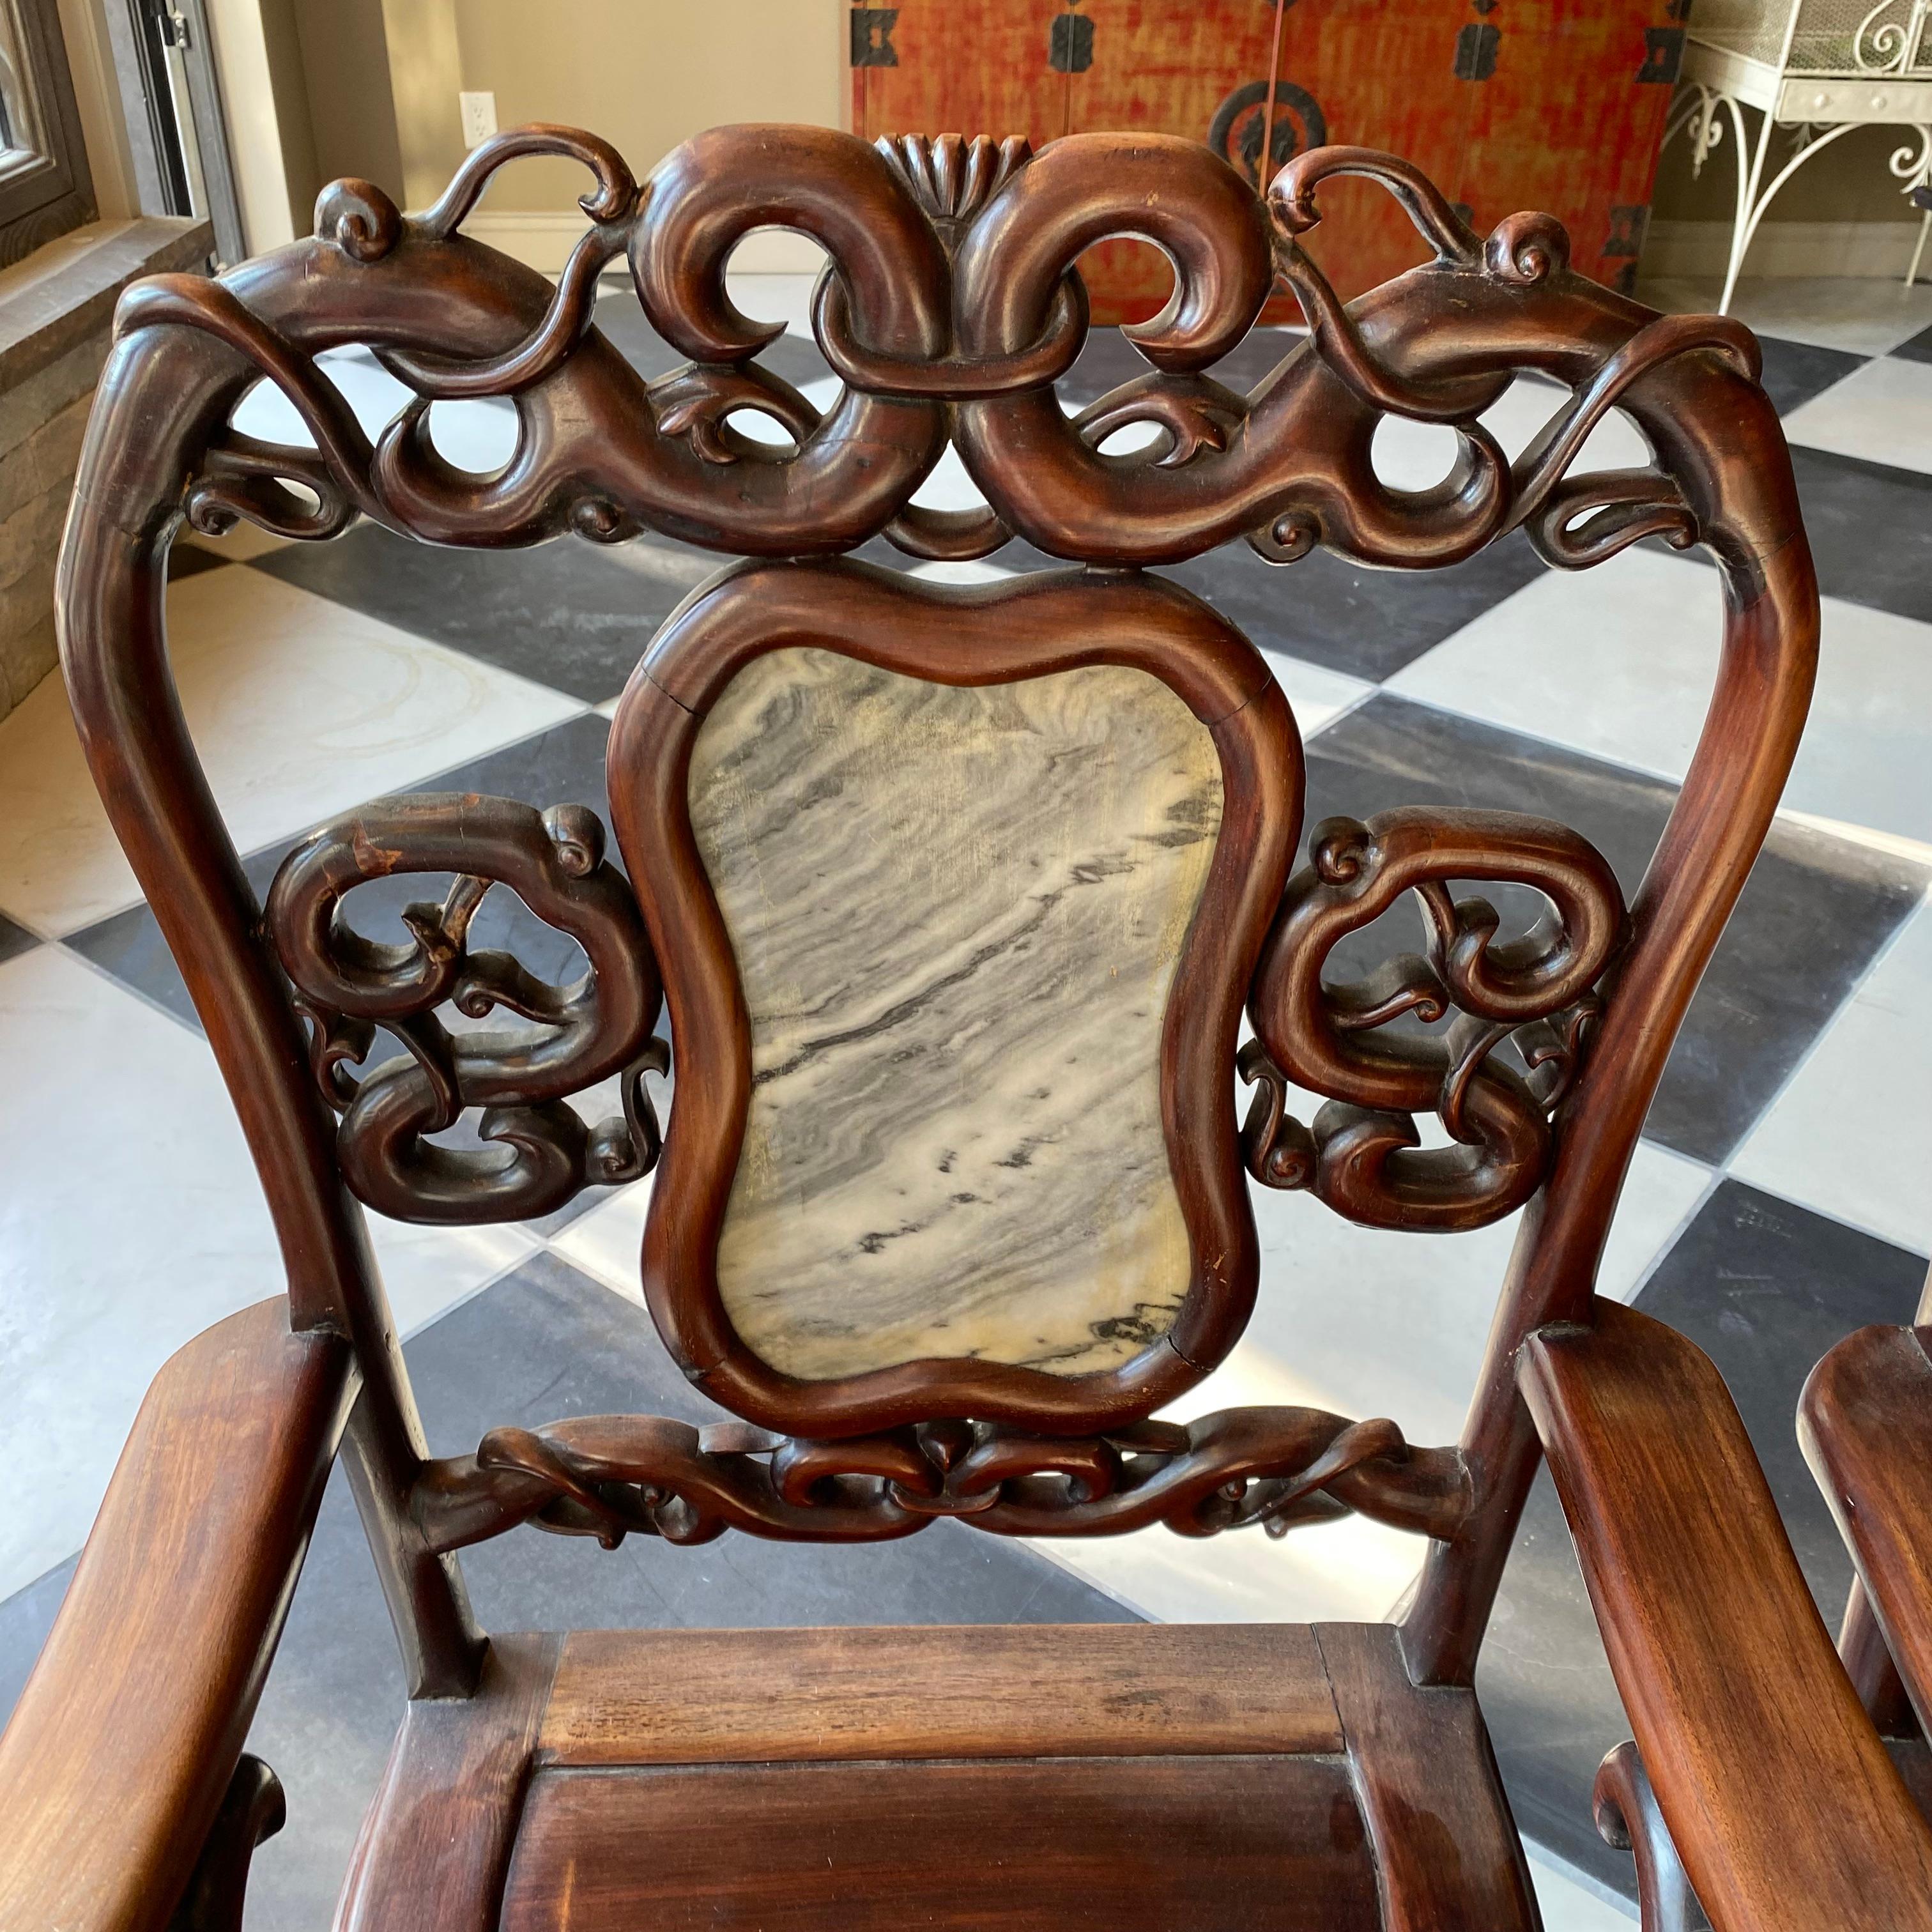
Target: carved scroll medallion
<point>957,894</point>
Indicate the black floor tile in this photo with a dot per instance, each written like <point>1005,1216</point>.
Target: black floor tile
<point>187,559</point>
<point>1812,914</point>
<point>542,1344</point>
<point>564,765</point>
<point>1794,372</point>
<point>569,614</point>
<point>1870,528</point>
<point>1367,623</point>
<point>620,316</point>
<point>14,939</point>
<point>25,1618</point>
<point>1917,350</point>
<point>1764,1288</point>
<point>129,946</point>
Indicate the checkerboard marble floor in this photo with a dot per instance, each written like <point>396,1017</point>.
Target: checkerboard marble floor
<point>1777,1201</point>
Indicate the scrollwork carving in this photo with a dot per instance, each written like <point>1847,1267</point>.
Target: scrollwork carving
<point>1362,1154</point>
<point>537,1151</point>
<point>950,307</point>
<point>611,1476</point>
<point>1628,1819</point>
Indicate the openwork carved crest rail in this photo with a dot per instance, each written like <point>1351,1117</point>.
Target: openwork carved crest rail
<point>949,307</point>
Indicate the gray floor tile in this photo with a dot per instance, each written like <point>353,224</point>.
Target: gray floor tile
<point>14,939</point>
<point>25,1618</point>
<point>620,316</point>
<point>1764,1288</point>
<point>1917,348</point>
<point>1870,530</point>
<point>567,614</point>
<point>1794,372</point>
<point>1368,623</point>
<point>564,765</point>
<point>1813,913</point>
<point>187,559</point>
<point>544,1343</point>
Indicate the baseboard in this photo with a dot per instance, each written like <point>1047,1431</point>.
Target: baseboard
<point>1783,248</point>
<point>543,238</point>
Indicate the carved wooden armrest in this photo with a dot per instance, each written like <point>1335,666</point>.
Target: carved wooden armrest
<point>1865,1424</point>
<point>1783,1804</point>
<point>121,1749</point>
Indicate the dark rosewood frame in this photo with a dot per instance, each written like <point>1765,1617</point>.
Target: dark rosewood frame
<point>950,308</point>
<point>1037,624</point>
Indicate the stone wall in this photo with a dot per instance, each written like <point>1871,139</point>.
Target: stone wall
<point>56,312</point>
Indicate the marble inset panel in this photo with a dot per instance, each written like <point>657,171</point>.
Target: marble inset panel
<point>957,914</point>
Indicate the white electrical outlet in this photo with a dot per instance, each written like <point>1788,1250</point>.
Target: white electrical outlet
<point>479,117</point>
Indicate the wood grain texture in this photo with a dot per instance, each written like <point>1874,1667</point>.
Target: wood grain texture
<point>436,1841</point>
<point>1446,1853</point>
<point>119,1753</point>
<point>1249,1844</point>
<point>1864,1420</point>
<point>1783,1805</point>
<point>987,1690</point>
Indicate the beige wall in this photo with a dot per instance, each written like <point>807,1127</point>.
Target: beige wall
<point>381,79</point>
<point>260,119</point>
<point>646,74</point>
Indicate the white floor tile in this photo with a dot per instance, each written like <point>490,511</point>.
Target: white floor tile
<point>1316,695</point>
<point>475,436</point>
<point>949,487</point>
<point>300,707</point>
<point>785,298</point>
<point>130,1220</point>
<point>1352,1571</point>
<point>1619,661</point>
<point>1881,412</point>
<point>1570,1905</point>
<point>1864,316</point>
<point>1851,1134</point>
<point>1403,1339</point>
<point>1367,1322</point>
<point>1413,455</point>
<point>608,1242</point>
<point>427,1271</point>
<point>978,571</point>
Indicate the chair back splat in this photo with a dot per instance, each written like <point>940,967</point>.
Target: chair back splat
<point>947,903</point>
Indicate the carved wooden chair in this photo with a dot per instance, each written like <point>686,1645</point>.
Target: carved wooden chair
<point>955,899</point>
<point>1865,1421</point>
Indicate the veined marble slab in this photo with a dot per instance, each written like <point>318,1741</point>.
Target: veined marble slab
<point>957,913</point>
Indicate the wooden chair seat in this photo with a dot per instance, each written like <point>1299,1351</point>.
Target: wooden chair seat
<point>1221,1777</point>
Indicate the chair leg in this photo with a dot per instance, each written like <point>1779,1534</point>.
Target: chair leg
<point>1925,228</point>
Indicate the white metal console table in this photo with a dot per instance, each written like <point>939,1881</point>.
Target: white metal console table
<point>1823,66</point>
